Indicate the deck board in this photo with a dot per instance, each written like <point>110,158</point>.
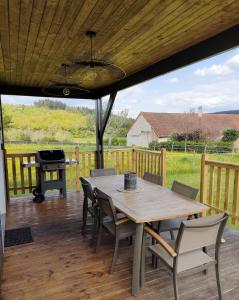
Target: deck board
<point>61,263</point>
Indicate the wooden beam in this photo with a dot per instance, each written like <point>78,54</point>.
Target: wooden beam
<point>108,112</point>
<point>37,92</point>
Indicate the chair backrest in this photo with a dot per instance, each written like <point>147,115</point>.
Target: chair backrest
<point>102,172</point>
<point>184,190</point>
<point>198,233</point>
<point>106,204</point>
<point>157,179</point>
<point>87,189</point>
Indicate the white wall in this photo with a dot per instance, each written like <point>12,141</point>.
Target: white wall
<point>141,133</point>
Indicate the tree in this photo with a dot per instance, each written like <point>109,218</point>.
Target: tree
<point>50,104</point>
<point>230,135</point>
<point>7,120</point>
<point>118,125</point>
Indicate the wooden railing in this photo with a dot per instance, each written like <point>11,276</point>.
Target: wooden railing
<point>219,187</point>
<point>23,180</point>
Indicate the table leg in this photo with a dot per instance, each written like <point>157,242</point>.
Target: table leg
<point>137,259</point>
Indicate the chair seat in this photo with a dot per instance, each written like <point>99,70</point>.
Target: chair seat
<point>186,261</point>
<point>125,230</point>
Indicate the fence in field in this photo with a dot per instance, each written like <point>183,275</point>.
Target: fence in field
<point>219,187</point>
<point>23,180</point>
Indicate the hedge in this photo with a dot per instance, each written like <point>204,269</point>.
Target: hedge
<point>192,146</point>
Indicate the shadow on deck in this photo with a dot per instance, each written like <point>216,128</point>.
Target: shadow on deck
<point>61,263</point>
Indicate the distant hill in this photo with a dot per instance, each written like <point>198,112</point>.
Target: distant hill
<point>227,112</point>
<point>51,121</point>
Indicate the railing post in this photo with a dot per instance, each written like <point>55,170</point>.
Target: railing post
<point>163,167</point>
<point>203,179</point>
<point>133,159</point>
<point>6,175</point>
<point>77,156</point>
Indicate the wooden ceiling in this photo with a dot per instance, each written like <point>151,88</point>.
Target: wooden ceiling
<point>37,37</point>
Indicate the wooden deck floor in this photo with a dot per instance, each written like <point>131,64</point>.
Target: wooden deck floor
<point>61,263</point>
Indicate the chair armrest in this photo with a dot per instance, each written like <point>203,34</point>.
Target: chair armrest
<point>162,242</point>
<point>121,221</point>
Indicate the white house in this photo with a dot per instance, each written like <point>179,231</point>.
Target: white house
<point>150,127</point>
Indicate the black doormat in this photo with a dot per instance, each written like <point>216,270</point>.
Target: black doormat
<point>18,236</point>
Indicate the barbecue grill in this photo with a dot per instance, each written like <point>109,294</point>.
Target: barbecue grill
<point>49,161</point>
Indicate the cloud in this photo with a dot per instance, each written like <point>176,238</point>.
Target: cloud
<point>173,80</point>
<point>214,70</point>
<point>233,62</point>
<point>220,95</point>
<point>228,67</point>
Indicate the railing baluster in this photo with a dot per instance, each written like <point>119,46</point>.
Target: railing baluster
<point>235,198</point>
<point>29,172</point>
<point>22,176</point>
<point>211,185</point>
<point>219,181</point>
<point>14,175</point>
<point>227,189</point>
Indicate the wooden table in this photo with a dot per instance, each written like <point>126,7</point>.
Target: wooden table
<point>150,203</point>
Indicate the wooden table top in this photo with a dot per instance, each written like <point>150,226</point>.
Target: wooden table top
<point>149,203</point>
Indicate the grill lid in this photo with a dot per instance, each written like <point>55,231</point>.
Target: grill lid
<point>51,156</point>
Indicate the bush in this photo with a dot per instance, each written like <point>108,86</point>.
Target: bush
<point>230,135</point>
<point>196,135</point>
<point>199,147</point>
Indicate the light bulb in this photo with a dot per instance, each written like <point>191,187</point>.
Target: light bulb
<point>66,91</point>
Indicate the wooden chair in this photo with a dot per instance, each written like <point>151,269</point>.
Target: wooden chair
<point>171,225</point>
<point>90,206</point>
<point>186,255</point>
<point>119,228</point>
<point>102,172</point>
<point>157,179</point>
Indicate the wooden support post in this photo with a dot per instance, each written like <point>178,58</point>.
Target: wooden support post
<point>163,167</point>
<point>77,156</point>
<point>203,180</point>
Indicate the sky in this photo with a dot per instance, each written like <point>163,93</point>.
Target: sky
<point>212,84</point>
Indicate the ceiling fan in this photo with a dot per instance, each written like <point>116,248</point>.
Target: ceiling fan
<point>93,69</point>
<point>64,89</point>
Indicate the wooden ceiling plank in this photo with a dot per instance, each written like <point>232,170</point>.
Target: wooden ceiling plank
<point>1,59</point>
<point>116,16</point>
<point>58,21</point>
<point>205,19</point>
<point>195,36</point>
<point>47,19</point>
<point>106,25</point>
<point>25,19</point>
<point>142,22</point>
<point>61,38</point>
<point>4,30</point>
<point>101,5</point>
<point>36,17</point>
<point>176,18</point>
<point>14,17</point>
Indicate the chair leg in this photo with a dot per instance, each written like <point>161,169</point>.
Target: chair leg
<point>85,208</point>
<point>205,251</point>
<point>115,254</point>
<point>98,241</point>
<point>175,286</point>
<point>172,234</point>
<point>218,281</point>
